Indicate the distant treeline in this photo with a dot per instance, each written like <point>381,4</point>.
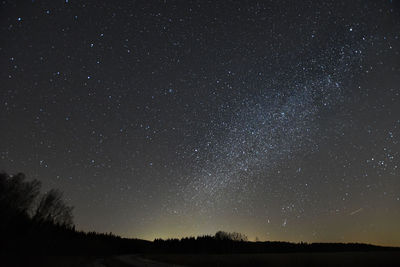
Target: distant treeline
<point>36,224</point>
<point>213,244</point>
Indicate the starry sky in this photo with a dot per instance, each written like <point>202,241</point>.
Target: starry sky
<point>277,119</point>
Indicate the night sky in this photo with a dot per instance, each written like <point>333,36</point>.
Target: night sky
<point>277,119</point>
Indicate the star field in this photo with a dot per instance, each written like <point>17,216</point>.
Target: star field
<point>278,119</point>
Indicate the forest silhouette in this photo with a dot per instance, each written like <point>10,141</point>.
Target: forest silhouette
<point>35,225</point>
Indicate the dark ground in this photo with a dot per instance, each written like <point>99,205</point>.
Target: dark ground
<point>369,259</point>
<point>283,259</point>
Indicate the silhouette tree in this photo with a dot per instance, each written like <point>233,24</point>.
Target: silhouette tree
<point>52,208</point>
<point>17,197</point>
<point>16,193</point>
<point>234,236</point>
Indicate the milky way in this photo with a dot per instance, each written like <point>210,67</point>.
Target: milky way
<point>263,131</point>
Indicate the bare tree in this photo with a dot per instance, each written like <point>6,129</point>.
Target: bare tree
<point>234,236</point>
<point>52,208</point>
<point>16,194</point>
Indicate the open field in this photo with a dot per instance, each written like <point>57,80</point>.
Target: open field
<point>282,259</point>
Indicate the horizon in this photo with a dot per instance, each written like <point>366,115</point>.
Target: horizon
<point>253,239</point>
<point>250,239</point>
<point>170,119</point>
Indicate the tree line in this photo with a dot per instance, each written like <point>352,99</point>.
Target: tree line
<point>227,243</point>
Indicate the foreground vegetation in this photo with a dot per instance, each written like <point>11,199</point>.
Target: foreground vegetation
<point>37,228</point>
